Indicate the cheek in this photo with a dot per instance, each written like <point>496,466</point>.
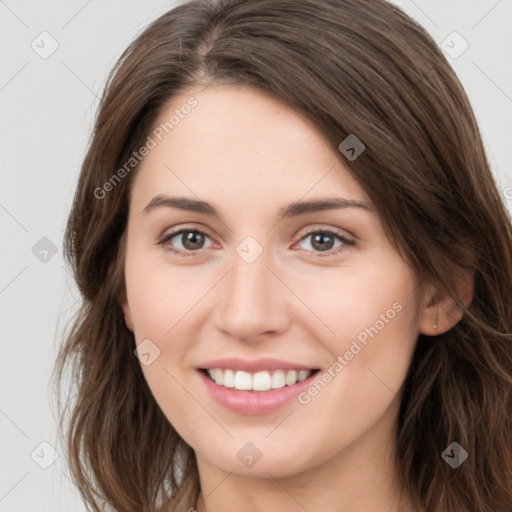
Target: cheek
<point>168,307</point>
<point>360,301</point>
<point>160,296</point>
<point>374,315</point>
<point>375,324</point>
<point>161,303</point>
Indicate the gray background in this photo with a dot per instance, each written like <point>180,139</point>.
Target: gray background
<point>47,107</point>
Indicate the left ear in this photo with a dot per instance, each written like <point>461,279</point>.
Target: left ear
<point>440,311</point>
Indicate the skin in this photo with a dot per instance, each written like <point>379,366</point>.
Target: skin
<point>249,155</point>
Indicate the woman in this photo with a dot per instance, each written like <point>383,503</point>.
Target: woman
<point>296,272</point>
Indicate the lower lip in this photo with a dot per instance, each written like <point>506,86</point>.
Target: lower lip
<point>254,402</point>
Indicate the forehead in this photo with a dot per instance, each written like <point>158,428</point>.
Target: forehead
<point>241,140</point>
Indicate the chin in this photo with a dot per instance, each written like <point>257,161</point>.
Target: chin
<point>260,460</point>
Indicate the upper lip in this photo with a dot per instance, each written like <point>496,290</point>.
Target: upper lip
<point>255,365</point>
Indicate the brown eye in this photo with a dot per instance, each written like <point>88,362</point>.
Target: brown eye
<point>322,242</point>
<point>192,240</point>
<point>185,240</point>
<point>325,241</point>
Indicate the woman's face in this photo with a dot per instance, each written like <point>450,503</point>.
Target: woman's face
<point>281,283</point>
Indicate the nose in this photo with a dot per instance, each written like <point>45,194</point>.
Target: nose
<point>253,301</point>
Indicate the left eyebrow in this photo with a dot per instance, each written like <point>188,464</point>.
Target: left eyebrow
<point>291,210</point>
<point>317,205</point>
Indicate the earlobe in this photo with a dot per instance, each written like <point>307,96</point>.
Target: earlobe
<point>441,312</point>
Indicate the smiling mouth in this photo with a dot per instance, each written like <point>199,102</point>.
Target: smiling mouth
<point>259,381</point>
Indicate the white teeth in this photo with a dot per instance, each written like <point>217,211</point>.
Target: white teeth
<point>278,379</point>
<point>218,376</point>
<point>243,380</point>
<point>291,378</point>
<point>260,381</point>
<point>229,379</point>
<point>302,375</point>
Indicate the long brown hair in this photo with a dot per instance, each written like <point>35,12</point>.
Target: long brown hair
<point>358,67</point>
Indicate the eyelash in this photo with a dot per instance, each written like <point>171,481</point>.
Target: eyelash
<point>331,252</point>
